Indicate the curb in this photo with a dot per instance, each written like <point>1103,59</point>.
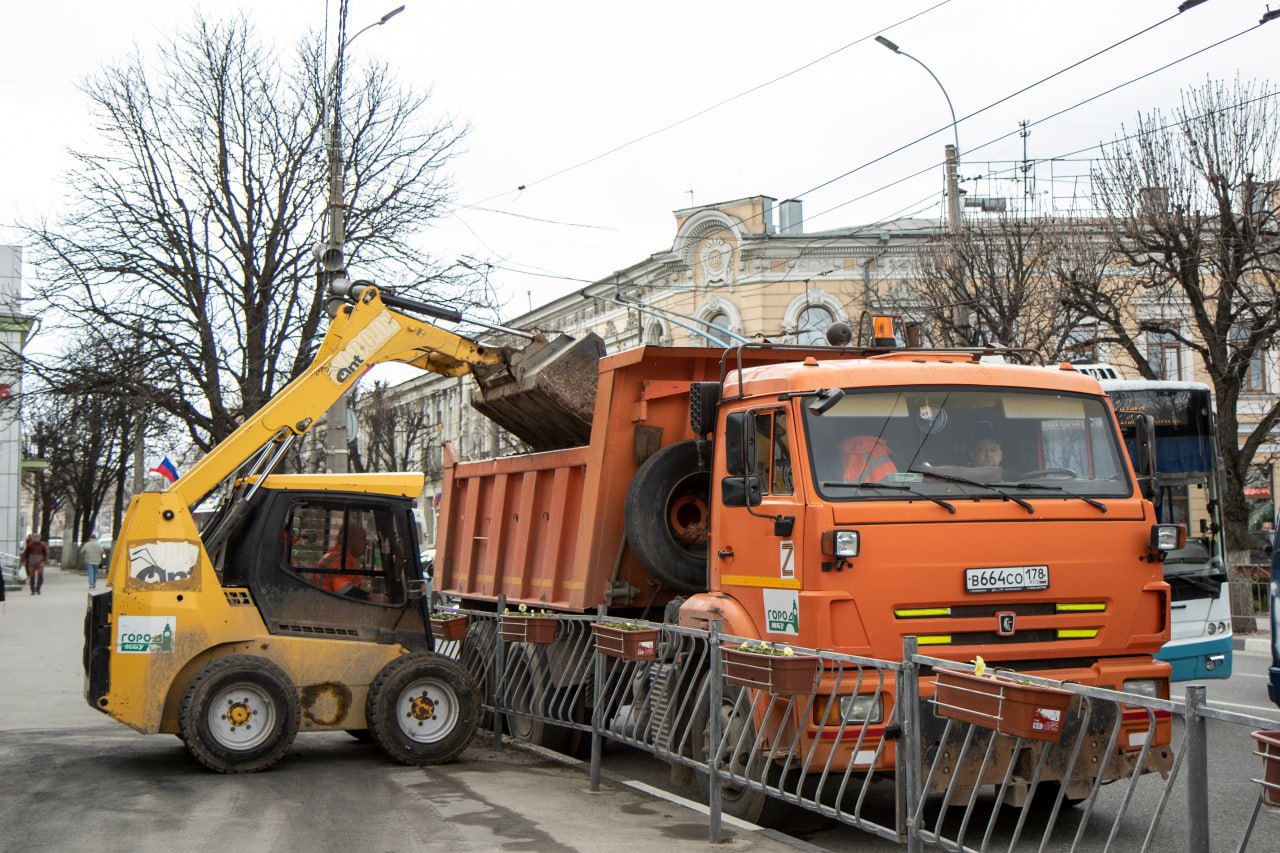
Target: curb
<point>1261,645</point>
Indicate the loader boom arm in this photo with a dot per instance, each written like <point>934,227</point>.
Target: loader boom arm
<point>363,334</point>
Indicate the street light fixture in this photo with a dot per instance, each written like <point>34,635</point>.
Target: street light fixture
<point>952,151</point>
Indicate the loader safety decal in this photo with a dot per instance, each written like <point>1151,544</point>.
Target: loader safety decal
<point>348,362</point>
<point>162,562</point>
<point>145,635</point>
<point>782,611</point>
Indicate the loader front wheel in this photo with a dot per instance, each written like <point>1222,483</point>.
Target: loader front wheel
<point>239,715</point>
<point>422,709</point>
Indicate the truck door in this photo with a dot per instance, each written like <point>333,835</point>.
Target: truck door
<point>754,546</point>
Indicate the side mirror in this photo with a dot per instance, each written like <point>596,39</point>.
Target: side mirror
<point>1145,447</point>
<point>739,443</point>
<point>742,491</point>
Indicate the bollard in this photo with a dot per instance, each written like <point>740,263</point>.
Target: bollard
<point>1197,772</point>
<point>714,700</point>
<point>597,707</point>
<point>497,673</point>
<point>909,756</point>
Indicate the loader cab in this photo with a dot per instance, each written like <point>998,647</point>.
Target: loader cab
<point>335,563</point>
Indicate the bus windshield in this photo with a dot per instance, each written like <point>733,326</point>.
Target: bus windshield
<point>1186,469</point>
<point>908,443</point>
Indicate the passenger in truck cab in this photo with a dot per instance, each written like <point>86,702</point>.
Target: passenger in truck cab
<point>867,459</point>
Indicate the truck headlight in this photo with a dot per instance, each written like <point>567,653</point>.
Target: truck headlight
<point>1149,687</point>
<point>1168,537</point>
<point>840,543</point>
<point>862,708</point>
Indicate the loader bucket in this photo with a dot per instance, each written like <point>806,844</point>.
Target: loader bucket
<point>545,393</point>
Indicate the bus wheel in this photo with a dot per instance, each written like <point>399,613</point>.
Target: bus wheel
<point>422,709</point>
<point>667,514</point>
<point>239,714</point>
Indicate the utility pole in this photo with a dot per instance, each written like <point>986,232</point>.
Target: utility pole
<point>332,254</point>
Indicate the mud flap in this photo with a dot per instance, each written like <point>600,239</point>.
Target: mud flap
<point>544,394</point>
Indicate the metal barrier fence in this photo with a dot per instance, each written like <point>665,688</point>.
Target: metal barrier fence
<point>951,766</point>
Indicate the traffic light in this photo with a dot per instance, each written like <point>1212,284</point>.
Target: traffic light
<point>333,265</point>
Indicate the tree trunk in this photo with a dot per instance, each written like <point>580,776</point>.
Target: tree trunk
<point>1243,618</point>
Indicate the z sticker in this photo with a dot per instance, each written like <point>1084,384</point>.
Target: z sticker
<point>786,559</point>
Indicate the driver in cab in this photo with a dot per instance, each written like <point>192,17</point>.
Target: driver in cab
<point>336,558</point>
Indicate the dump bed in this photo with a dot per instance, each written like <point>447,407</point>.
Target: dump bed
<point>546,528</point>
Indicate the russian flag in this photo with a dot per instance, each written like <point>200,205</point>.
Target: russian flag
<point>167,470</point>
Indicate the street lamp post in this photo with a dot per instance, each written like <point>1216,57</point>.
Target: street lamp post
<point>952,151</point>
<point>332,260</point>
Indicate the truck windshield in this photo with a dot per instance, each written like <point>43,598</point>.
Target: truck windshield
<point>968,442</point>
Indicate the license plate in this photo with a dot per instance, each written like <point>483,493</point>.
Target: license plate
<point>1006,579</point>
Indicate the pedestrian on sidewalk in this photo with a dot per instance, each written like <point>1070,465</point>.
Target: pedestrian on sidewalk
<point>91,554</point>
<point>34,555</point>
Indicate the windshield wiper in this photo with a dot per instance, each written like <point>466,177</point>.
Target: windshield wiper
<point>894,486</point>
<point>966,481</point>
<point>1090,501</point>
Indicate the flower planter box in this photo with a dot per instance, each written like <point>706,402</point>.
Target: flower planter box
<point>528,629</point>
<point>784,675</point>
<point>449,630</point>
<point>1022,710</point>
<point>625,644</point>
<point>1269,749</point>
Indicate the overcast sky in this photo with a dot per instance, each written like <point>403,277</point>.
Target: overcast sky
<point>547,86</point>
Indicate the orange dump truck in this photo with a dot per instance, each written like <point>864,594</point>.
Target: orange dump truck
<point>836,499</point>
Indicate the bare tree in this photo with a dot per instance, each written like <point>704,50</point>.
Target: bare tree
<point>1191,225</point>
<point>193,219</point>
<point>991,282</point>
<point>392,437</point>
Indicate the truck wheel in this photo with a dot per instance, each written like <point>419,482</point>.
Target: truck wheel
<point>422,709</point>
<point>738,736</point>
<point>667,514</point>
<point>528,689</point>
<point>239,714</point>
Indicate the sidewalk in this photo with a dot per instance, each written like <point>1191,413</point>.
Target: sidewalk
<point>500,798</point>
<point>1259,642</point>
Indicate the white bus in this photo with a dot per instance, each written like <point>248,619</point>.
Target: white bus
<point>1189,483</point>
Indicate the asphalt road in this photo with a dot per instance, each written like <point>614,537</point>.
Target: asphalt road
<point>75,780</point>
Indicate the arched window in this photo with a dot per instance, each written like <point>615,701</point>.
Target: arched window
<point>653,334</point>
<point>811,325</point>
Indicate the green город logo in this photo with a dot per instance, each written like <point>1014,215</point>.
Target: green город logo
<point>782,611</point>
<point>147,635</point>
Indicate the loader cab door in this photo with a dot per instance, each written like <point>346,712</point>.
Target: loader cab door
<point>334,565</point>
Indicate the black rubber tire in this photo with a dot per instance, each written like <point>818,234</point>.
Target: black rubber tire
<point>242,687</point>
<point>529,688</point>
<point>742,802</point>
<point>667,514</point>
<point>422,709</point>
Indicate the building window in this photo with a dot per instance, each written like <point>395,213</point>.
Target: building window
<point>811,326</point>
<point>1164,354</point>
<point>1081,346</point>
<point>1254,378</point>
<point>653,334</point>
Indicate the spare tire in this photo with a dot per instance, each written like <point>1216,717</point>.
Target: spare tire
<point>667,515</point>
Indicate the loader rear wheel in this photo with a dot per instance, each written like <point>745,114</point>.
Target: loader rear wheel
<point>667,514</point>
<point>239,714</point>
<point>422,709</point>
